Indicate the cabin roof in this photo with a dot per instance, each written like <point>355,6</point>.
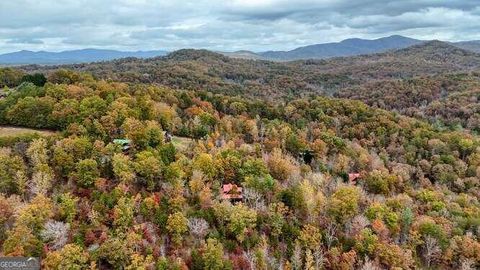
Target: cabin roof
<point>121,141</point>
<point>352,177</point>
<point>231,191</point>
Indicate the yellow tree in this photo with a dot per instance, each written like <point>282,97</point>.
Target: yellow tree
<point>240,220</point>
<point>343,204</point>
<point>177,225</point>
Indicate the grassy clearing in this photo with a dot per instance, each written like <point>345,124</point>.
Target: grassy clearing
<point>9,131</point>
<point>181,143</point>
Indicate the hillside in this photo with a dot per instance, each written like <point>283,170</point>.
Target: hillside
<point>473,45</point>
<point>377,189</point>
<point>452,100</point>
<point>195,69</point>
<point>366,77</point>
<point>245,55</point>
<point>432,57</point>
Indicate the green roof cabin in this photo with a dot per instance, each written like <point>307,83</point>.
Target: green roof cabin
<point>125,143</point>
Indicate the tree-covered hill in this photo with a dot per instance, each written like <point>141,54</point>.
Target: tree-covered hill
<point>201,69</point>
<point>387,79</point>
<point>451,100</point>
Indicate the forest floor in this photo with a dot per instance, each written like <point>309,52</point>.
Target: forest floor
<point>11,131</point>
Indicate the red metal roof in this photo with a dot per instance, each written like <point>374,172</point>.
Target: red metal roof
<point>231,191</point>
<point>352,177</point>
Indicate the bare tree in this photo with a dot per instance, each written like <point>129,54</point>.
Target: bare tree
<point>273,262</point>
<point>359,223</point>
<point>252,260</point>
<point>467,264</point>
<point>369,265</point>
<point>319,257</point>
<point>297,257</point>
<point>330,234</point>
<point>56,233</point>
<point>149,230</point>
<point>163,246</point>
<point>431,250</point>
<point>41,180</point>
<point>198,227</point>
<point>254,199</point>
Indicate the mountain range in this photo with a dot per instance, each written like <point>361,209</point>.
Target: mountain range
<point>71,57</point>
<point>348,47</point>
<point>473,45</point>
<point>203,69</point>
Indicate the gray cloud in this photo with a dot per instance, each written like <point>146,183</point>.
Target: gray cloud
<point>226,25</point>
<point>24,41</point>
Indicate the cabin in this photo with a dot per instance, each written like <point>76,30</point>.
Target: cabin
<point>232,193</point>
<point>353,178</point>
<point>124,143</point>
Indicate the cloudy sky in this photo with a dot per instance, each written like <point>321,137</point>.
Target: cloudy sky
<point>227,25</point>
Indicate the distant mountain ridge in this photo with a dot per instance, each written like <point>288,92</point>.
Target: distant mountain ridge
<point>345,48</point>
<point>73,56</point>
<point>244,54</point>
<point>348,47</point>
<point>473,45</point>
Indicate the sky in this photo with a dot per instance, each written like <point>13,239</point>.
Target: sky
<point>226,25</point>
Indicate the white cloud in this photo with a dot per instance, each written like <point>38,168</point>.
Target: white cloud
<point>225,25</point>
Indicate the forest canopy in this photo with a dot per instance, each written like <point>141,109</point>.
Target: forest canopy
<point>136,175</point>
